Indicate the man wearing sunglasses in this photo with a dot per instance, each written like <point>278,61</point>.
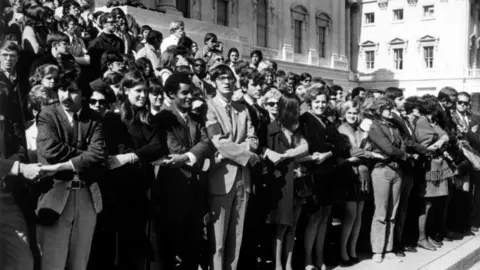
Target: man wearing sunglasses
<point>462,116</point>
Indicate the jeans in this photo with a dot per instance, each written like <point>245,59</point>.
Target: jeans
<point>386,191</point>
<point>406,188</point>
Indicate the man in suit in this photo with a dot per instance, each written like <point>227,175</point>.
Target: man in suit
<point>200,73</point>
<point>70,139</point>
<point>182,193</point>
<point>233,135</point>
<point>17,204</point>
<point>255,231</point>
<point>414,150</point>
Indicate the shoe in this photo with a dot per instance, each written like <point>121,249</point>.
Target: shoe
<point>474,229</point>
<point>434,244</point>
<point>425,244</point>
<point>346,263</point>
<point>410,249</point>
<point>392,256</point>
<point>468,233</point>
<point>310,267</point>
<point>354,260</point>
<point>452,236</point>
<point>400,253</point>
<point>377,257</point>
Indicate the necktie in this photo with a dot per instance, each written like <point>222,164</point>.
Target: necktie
<point>228,109</point>
<point>75,129</point>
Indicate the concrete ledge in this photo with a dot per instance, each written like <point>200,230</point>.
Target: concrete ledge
<point>461,258</point>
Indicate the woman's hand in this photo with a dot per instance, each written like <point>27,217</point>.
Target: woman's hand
<point>319,158</point>
<point>353,159</point>
<point>378,156</point>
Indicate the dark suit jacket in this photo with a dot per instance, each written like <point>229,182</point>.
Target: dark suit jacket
<point>260,120</point>
<point>180,187</point>
<point>408,135</point>
<point>87,152</point>
<point>5,167</point>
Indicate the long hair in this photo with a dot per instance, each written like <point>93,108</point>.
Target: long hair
<point>43,71</point>
<point>127,112</point>
<point>288,111</point>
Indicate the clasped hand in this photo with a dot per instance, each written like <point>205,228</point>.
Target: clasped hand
<point>36,170</point>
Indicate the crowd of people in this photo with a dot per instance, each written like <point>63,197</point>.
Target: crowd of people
<point>120,148</point>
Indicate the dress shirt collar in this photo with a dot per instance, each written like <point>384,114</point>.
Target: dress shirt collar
<point>224,103</point>
<point>12,76</point>
<point>70,114</point>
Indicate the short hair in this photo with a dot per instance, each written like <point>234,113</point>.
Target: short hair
<point>280,73</point>
<point>316,90</point>
<point>209,36</point>
<point>155,87</point>
<point>347,106</point>
<point>167,59</point>
<point>186,70</point>
<point>411,103</point>
<point>264,64</point>
<point>465,94</point>
<point>66,20</point>
<point>392,92</point>
<point>175,25</point>
<point>97,14</point>
<point>232,50</point>
<point>105,91</point>
<point>42,71</point>
<point>105,16</point>
<point>318,80</point>
<point>68,4</point>
<point>112,78</point>
<point>109,57</point>
<point>250,74</point>
<point>336,88</point>
<point>292,76</point>
<point>145,27</point>
<point>305,76</point>
<point>185,42</point>
<point>57,37</point>
<point>172,84</point>
<point>445,92</point>
<point>271,92</point>
<point>153,37</point>
<point>38,97</point>
<point>258,53</point>
<point>428,105</point>
<point>11,46</point>
<point>356,91</point>
<point>221,69</point>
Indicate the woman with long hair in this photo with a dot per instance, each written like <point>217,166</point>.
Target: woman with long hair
<point>386,178</point>
<point>324,159</point>
<point>46,75</point>
<point>145,144</point>
<point>156,94</point>
<point>357,182</point>
<point>437,174</point>
<point>145,66</point>
<point>284,144</point>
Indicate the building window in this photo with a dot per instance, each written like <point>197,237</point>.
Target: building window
<point>398,58</point>
<point>322,35</point>
<point>222,12</point>
<point>262,23</point>
<point>369,18</point>
<point>398,15</point>
<point>428,56</point>
<point>428,11</point>
<point>370,59</point>
<point>184,7</point>
<point>298,36</point>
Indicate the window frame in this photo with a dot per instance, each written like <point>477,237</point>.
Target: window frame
<point>398,62</point>
<point>264,41</point>
<point>431,15</point>
<point>402,13</point>
<point>427,58</point>
<point>367,22</point>
<point>322,36</point>
<point>370,63</point>
<point>299,18</point>
<point>297,48</point>
<point>227,20</point>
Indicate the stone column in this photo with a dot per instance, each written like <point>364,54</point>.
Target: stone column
<point>336,29</point>
<point>342,32</point>
<point>169,7</point>
<point>287,47</point>
<point>313,36</point>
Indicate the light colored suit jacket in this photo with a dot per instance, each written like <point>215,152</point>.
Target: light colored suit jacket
<point>234,140</point>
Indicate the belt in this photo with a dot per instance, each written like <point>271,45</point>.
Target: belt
<point>77,184</point>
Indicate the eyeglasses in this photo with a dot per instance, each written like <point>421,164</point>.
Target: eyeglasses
<point>463,103</point>
<point>101,102</point>
<point>225,78</point>
<point>272,104</point>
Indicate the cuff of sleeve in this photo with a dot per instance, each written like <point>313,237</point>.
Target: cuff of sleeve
<point>15,168</point>
<point>192,159</point>
<point>71,164</point>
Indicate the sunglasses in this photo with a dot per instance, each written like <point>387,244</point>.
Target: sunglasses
<point>463,103</point>
<point>272,104</point>
<point>102,102</point>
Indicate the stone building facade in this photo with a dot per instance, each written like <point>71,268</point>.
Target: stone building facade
<point>300,35</point>
<point>418,45</point>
